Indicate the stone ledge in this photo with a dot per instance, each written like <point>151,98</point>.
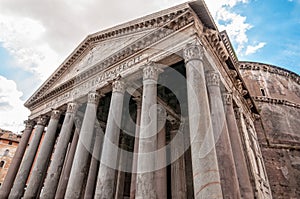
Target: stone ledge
<point>276,101</point>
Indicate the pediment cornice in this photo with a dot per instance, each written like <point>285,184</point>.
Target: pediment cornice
<point>162,23</point>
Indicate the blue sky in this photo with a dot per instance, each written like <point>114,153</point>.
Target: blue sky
<point>36,36</point>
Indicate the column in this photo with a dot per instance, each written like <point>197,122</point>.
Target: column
<point>64,178</point>
<point>145,187</point>
<point>95,162</point>
<point>16,161</point>
<point>206,176</point>
<point>136,147</point>
<point>122,166</point>
<point>161,157</point>
<point>54,171</point>
<point>237,150</point>
<point>106,177</point>
<point>229,181</point>
<point>23,173</point>
<point>40,167</point>
<point>79,169</point>
<point>178,179</point>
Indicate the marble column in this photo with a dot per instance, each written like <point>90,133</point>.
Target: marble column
<point>64,178</point>
<point>40,166</point>
<point>106,177</point>
<point>161,157</point>
<point>145,187</point>
<point>54,171</point>
<point>136,147</point>
<point>80,168</point>
<point>27,161</point>
<point>178,179</point>
<point>95,162</point>
<point>206,176</point>
<point>246,189</point>
<point>16,161</point>
<point>229,181</point>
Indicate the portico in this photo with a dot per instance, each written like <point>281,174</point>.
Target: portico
<point>133,112</point>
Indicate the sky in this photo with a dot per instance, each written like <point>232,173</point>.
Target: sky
<point>36,36</point>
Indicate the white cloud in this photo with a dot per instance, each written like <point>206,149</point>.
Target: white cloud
<point>12,111</point>
<point>251,49</point>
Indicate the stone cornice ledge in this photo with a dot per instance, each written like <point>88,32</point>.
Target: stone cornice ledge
<point>178,22</point>
<point>276,101</point>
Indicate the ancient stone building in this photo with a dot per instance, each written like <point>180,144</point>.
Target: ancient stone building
<point>160,107</point>
<point>8,144</point>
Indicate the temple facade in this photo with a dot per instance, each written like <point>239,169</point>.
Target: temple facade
<point>160,107</point>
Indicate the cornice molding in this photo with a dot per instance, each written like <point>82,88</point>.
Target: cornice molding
<point>174,22</point>
<point>163,24</point>
<point>276,101</point>
<point>270,69</point>
<point>216,43</point>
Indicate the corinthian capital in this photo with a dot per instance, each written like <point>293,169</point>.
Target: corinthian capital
<point>227,98</point>
<point>72,107</point>
<point>93,97</point>
<point>42,120</point>
<point>212,78</point>
<point>29,124</point>
<point>118,86</point>
<point>151,71</point>
<point>55,114</point>
<point>193,52</point>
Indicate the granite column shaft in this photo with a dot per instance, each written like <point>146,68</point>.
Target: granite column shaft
<point>16,161</point>
<point>17,190</point>
<point>106,177</point>
<point>206,176</point>
<point>54,171</point>
<point>40,167</point>
<point>80,168</point>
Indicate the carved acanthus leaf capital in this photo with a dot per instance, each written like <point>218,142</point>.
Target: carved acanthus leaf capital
<point>29,124</point>
<point>72,107</point>
<point>93,97</point>
<point>227,98</point>
<point>151,71</point>
<point>193,52</point>
<point>42,120</point>
<point>55,115</point>
<point>118,86</point>
<point>212,78</point>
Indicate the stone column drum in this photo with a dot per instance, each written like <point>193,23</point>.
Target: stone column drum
<point>178,179</point>
<point>106,177</point>
<point>161,157</point>
<point>136,147</point>
<point>204,160</point>
<point>23,173</point>
<point>229,181</point>
<point>145,187</point>
<point>246,189</point>
<point>40,167</point>
<point>64,178</point>
<point>95,162</point>
<point>54,171</point>
<point>16,161</point>
<point>79,169</point>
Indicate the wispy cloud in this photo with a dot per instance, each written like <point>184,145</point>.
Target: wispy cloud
<point>12,111</point>
<point>251,49</point>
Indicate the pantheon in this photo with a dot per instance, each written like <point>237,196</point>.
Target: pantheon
<point>160,107</point>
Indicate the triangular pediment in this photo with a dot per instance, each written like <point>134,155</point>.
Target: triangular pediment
<point>112,45</point>
<point>98,53</point>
